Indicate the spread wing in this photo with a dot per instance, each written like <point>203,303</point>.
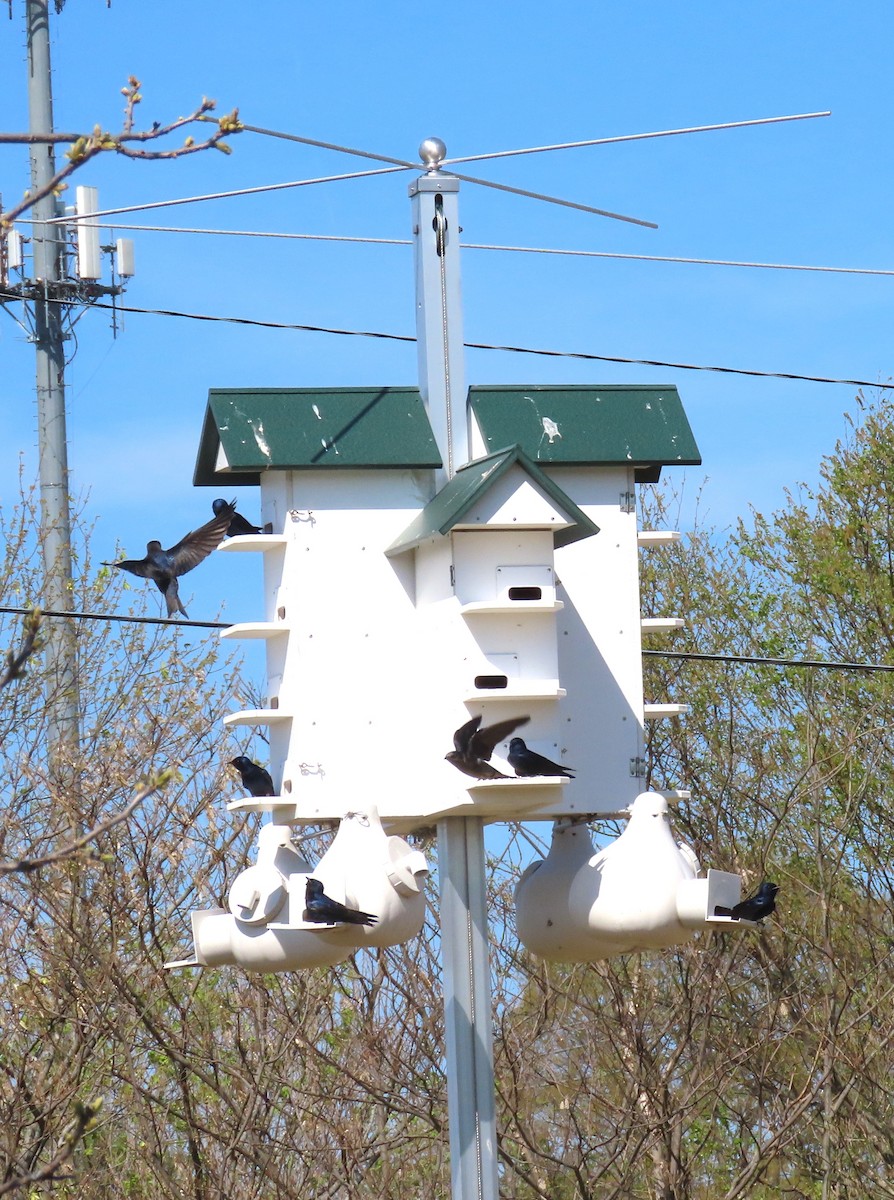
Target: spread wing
<point>462,739</point>
<point>137,566</point>
<point>196,546</point>
<point>483,742</point>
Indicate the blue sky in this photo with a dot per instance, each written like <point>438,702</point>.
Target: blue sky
<point>484,78</point>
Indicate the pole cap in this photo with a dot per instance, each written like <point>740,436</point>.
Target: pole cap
<point>432,151</point>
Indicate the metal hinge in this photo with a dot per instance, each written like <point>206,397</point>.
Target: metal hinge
<point>638,768</point>
<point>627,501</point>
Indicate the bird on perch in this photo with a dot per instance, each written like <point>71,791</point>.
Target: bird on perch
<point>474,746</point>
<point>238,524</point>
<point>527,763</point>
<point>321,909</point>
<point>255,780</point>
<point>753,908</point>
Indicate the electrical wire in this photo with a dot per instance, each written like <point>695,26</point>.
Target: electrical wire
<point>745,659</point>
<point>405,337</point>
<point>89,616</point>
<point>258,233</point>
<point>678,366</point>
<point>762,661</point>
<point>669,258</point>
<point>708,262</point>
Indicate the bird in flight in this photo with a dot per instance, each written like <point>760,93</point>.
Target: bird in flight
<point>164,567</point>
<point>527,763</point>
<point>255,780</point>
<point>238,524</point>
<point>321,909</point>
<point>753,908</point>
<point>474,746</point>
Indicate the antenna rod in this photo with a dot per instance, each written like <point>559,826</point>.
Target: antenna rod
<point>637,137</point>
<point>404,163</point>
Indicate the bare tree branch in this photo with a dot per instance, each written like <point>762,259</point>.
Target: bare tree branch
<point>84,1120</point>
<point>15,661</point>
<point>71,848</point>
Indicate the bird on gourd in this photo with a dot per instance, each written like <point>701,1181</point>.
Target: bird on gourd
<point>321,909</point>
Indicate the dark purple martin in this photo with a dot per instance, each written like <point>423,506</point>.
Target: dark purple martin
<point>255,780</point>
<point>527,763</point>
<point>474,746</point>
<point>753,908</point>
<point>321,909</point>
<point>238,523</point>
<point>164,567</point>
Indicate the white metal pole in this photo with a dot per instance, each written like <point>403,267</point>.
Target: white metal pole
<point>468,1006</point>
<point>468,1010</point>
<point>439,326</point>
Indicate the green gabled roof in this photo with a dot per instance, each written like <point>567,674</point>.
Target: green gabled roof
<point>467,487</point>
<point>582,425</point>
<point>250,430</point>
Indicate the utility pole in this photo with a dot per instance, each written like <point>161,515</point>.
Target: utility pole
<point>49,338</point>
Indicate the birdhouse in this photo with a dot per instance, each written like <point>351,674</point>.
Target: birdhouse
<point>399,604</point>
<point>373,883</point>
<point>403,607</point>
<point>641,891</point>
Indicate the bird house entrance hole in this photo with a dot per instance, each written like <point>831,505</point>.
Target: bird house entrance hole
<point>491,682</point>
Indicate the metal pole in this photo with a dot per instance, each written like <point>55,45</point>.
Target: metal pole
<point>61,652</point>
<point>439,328</point>
<point>468,1010</point>
<point>471,1103</point>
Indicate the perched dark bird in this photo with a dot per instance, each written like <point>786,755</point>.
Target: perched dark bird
<point>474,746</point>
<point>320,908</point>
<point>755,907</point>
<point>255,779</point>
<point>164,567</point>
<point>527,762</point>
<point>238,523</point>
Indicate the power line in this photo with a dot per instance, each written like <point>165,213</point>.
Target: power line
<point>709,262</point>
<point>404,337</point>
<point>90,616</point>
<point>669,258</point>
<point>260,233</point>
<point>677,366</point>
<point>759,660</point>
<point>685,655</point>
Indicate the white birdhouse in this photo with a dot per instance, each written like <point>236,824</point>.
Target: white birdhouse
<point>640,891</point>
<point>399,605</point>
<point>268,927</point>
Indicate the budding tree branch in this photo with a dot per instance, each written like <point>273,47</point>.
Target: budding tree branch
<point>129,141</point>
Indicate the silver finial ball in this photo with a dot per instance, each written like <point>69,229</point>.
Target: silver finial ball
<point>432,152</point>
